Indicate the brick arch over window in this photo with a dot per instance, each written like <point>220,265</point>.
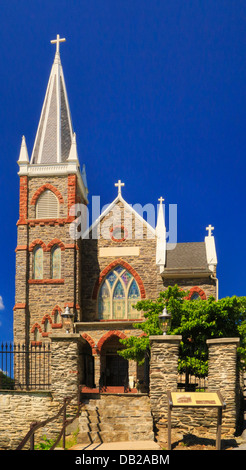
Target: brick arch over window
<point>46,317</point>
<point>125,265</point>
<point>55,310</point>
<point>36,242</point>
<point>197,290</point>
<point>91,342</point>
<point>36,325</point>
<point>108,335</point>
<point>44,188</point>
<point>54,242</point>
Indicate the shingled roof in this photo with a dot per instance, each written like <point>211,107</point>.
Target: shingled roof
<point>54,134</point>
<point>186,257</point>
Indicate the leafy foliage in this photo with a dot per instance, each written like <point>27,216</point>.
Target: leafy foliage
<point>195,320</point>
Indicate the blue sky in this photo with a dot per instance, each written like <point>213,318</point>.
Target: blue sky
<point>157,96</point>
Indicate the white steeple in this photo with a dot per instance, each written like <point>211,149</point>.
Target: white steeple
<point>73,154</point>
<point>210,249</point>
<point>23,157</point>
<point>160,238</point>
<point>54,135</point>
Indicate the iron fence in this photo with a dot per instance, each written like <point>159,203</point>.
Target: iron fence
<point>25,366</point>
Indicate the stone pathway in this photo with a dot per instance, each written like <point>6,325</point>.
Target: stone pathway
<point>134,445</point>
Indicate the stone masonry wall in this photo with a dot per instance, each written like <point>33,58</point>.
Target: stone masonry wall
<point>19,410</point>
<point>222,376</point>
<point>93,264</point>
<point>36,299</point>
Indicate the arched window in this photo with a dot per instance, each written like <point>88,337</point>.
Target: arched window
<point>195,296</point>
<point>37,334</point>
<point>47,206</point>
<point>117,295</point>
<point>57,317</point>
<point>56,262</point>
<point>38,262</point>
<point>46,325</point>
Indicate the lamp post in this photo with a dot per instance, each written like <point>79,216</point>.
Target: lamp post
<point>164,320</point>
<point>67,319</point>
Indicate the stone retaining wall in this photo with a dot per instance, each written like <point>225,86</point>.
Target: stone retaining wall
<point>223,376</point>
<point>19,410</point>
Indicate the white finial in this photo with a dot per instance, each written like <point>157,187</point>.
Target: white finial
<point>23,157</point>
<point>73,155</point>
<point>209,229</point>
<point>57,42</point>
<point>161,199</point>
<point>119,184</point>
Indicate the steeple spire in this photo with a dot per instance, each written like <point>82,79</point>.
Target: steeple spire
<point>54,135</point>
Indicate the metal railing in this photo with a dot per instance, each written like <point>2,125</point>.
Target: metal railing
<point>25,366</point>
<point>34,426</point>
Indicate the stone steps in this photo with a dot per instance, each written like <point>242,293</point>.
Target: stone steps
<point>116,419</point>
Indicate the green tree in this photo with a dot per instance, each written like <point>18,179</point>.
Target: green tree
<point>195,320</point>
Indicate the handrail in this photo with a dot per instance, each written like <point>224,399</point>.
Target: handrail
<point>34,426</point>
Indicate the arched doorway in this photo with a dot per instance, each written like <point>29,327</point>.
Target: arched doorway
<point>114,368</point>
<point>86,365</point>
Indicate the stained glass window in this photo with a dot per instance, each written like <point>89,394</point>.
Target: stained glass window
<point>56,263</point>
<point>195,296</point>
<point>118,292</point>
<point>38,263</point>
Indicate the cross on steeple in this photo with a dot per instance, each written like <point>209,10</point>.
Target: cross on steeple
<point>57,42</point>
<point>209,229</point>
<point>161,199</point>
<point>119,184</point>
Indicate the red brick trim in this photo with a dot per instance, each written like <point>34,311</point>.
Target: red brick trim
<point>199,291</point>
<point>46,281</point>
<point>35,243</point>
<point>43,222</point>
<point>42,189</point>
<point>19,306</point>
<point>118,239</point>
<point>54,242</point>
<point>36,325</point>
<point>46,317</point>
<point>122,319</point>
<point>108,335</point>
<point>71,246</point>
<point>72,196</point>
<point>91,342</point>
<point>125,265</point>
<point>55,309</point>
<point>23,199</point>
<point>21,248</point>
<point>36,343</point>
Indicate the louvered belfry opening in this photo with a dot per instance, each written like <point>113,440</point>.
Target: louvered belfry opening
<point>47,206</point>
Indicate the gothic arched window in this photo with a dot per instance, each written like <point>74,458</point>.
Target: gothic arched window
<point>38,262</point>
<point>47,206</point>
<point>118,293</point>
<point>56,262</point>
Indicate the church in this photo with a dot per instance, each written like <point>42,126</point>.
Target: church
<point>95,278</point>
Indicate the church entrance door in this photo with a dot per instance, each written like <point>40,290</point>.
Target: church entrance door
<point>116,371</point>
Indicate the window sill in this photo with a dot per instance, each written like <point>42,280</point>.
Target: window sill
<point>46,281</point>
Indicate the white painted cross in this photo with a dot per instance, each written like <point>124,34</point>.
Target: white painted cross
<point>161,199</point>
<point>119,184</point>
<point>209,229</point>
<point>57,42</point>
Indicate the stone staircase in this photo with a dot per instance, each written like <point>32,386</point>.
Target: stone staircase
<point>115,418</point>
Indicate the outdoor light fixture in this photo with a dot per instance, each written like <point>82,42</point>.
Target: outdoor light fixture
<point>164,320</point>
<point>67,319</point>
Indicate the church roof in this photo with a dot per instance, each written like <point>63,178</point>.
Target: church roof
<point>186,257</point>
<point>55,132</point>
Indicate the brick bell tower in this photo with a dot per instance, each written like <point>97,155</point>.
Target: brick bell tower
<point>47,258</point>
